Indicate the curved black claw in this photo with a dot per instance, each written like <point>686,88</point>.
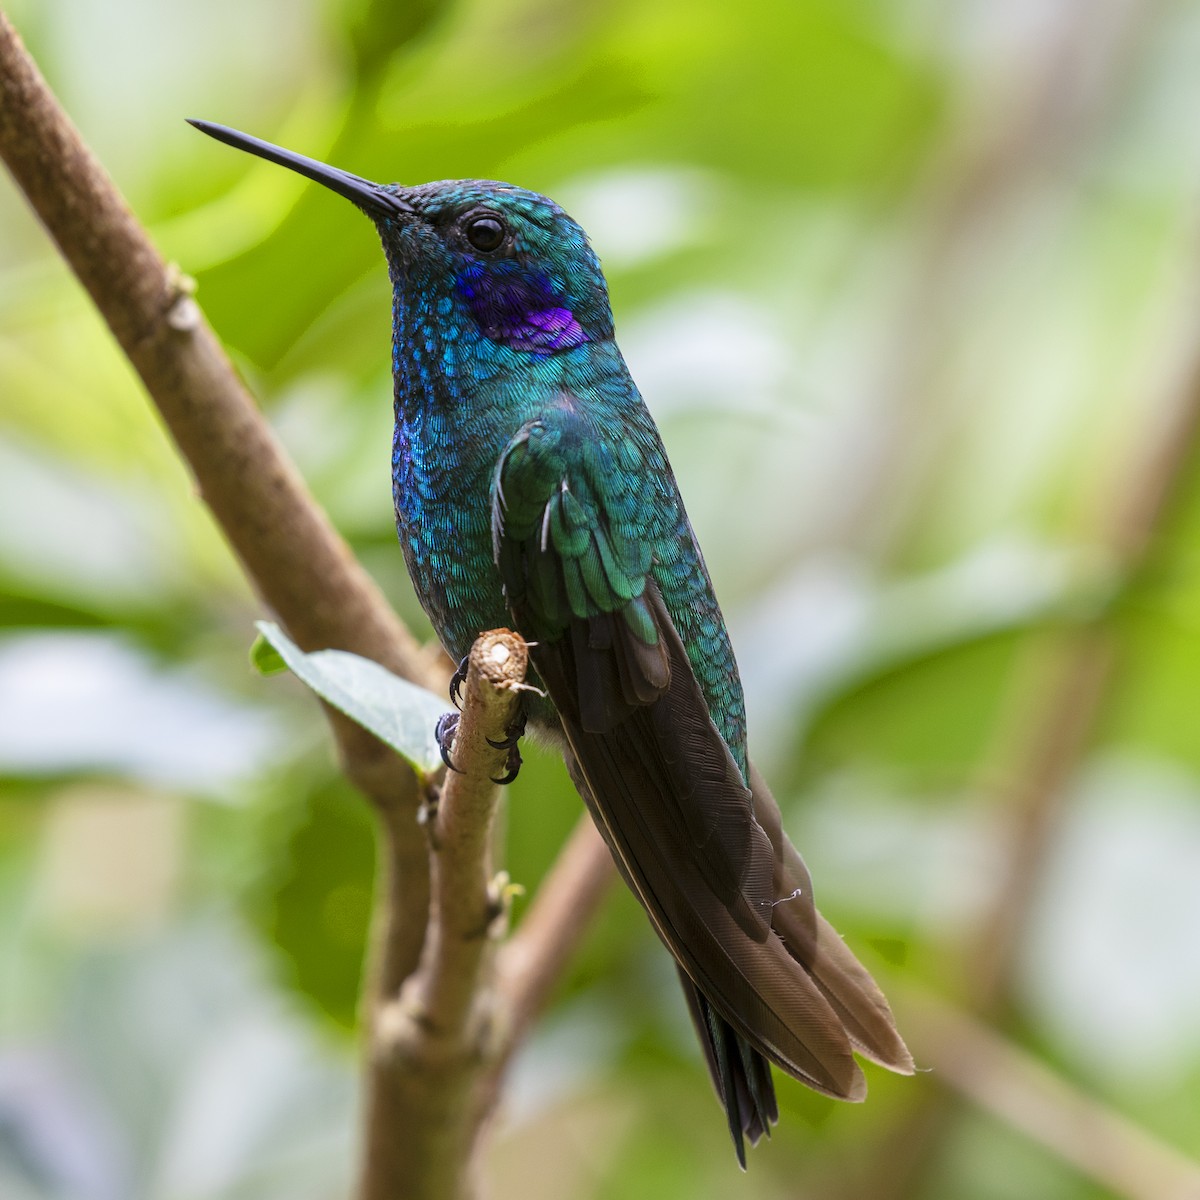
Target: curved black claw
<point>444,731</point>
<point>513,763</point>
<point>512,736</point>
<point>510,742</point>
<point>456,682</point>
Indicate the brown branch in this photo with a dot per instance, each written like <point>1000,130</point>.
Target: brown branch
<point>535,955</point>
<point>531,961</point>
<point>431,1016</point>
<point>1055,711</point>
<point>295,559</point>
<point>1069,673</point>
<point>1013,1086</point>
<point>1055,728</point>
<point>429,1043</point>
<point>1057,705</point>
<point>428,1011</point>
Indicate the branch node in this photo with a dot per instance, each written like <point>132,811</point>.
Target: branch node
<point>501,891</point>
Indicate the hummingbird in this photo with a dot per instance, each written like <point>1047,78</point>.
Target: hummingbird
<point>532,491</point>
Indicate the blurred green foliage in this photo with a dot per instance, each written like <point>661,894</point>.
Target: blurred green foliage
<point>910,287</point>
<point>312,900</point>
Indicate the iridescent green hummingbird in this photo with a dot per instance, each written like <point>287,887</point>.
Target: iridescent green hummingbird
<point>532,491</point>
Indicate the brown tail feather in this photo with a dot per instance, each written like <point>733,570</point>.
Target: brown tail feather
<point>767,978</point>
<point>843,980</point>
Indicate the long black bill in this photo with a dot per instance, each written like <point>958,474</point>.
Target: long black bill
<point>373,198</point>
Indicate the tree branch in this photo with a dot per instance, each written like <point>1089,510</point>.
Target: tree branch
<point>289,550</point>
<point>432,1019</point>
<point>1012,1085</point>
<point>530,962</point>
<point>1054,714</point>
<point>428,1044</point>
<point>1069,673</point>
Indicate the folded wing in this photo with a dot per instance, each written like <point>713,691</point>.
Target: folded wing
<point>765,976</point>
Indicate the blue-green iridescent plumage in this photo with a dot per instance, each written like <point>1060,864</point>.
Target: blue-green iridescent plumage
<point>532,491</point>
<point>461,396</point>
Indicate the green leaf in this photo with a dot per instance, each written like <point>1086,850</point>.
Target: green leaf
<point>264,658</point>
<point>397,712</point>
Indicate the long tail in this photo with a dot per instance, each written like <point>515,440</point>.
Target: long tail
<point>740,1074</point>
<point>841,1007</point>
<point>769,981</point>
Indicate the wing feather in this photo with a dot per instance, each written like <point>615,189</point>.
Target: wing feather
<point>765,976</point>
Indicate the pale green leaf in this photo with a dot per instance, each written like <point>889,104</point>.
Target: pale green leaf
<point>397,712</point>
<point>265,659</point>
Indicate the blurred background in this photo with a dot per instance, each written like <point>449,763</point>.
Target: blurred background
<point>911,287</point>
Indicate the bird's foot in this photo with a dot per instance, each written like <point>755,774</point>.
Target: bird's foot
<point>512,735</point>
<point>511,742</point>
<point>457,680</point>
<point>444,731</point>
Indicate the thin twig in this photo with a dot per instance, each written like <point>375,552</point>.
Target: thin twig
<point>461,834</point>
<point>1070,672</point>
<point>288,548</point>
<point>1012,1085</point>
<point>531,961</point>
<point>1055,711</point>
<point>428,1043</point>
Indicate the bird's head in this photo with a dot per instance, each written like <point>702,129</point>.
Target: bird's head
<point>497,261</point>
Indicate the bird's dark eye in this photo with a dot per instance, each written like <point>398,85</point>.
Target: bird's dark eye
<point>485,233</point>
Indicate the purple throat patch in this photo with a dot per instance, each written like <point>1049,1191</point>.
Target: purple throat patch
<point>520,310</point>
